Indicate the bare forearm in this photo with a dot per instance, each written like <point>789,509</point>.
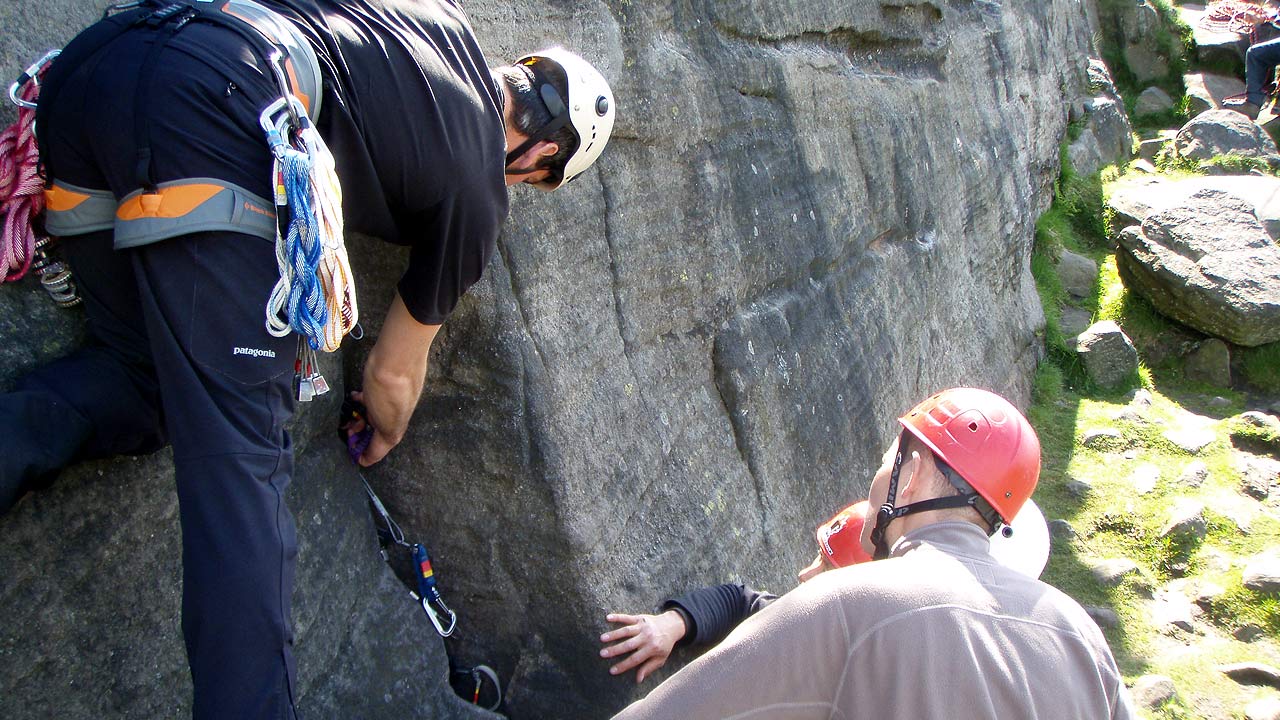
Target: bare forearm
<point>393,378</point>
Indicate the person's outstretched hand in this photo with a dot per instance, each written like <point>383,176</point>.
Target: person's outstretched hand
<point>646,640</point>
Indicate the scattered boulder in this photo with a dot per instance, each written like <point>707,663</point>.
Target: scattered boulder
<point>1133,199</point>
<point>1151,148</point>
<point>1194,474</point>
<point>1223,132</point>
<point>1252,673</point>
<point>1217,401</point>
<point>1142,165</point>
<point>1113,571</point>
<point>1141,398</point>
<point>1074,321</point>
<point>1144,478</point>
<point>1152,101</point>
<point>1249,632</point>
<point>1152,692</point>
<point>1105,617</point>
<point>1109,357</point>
<point>1104,440</point>
<point>1077,273</point>
<point>1209,363</point>
<point>1079,488</point>
<point>1172,610</point>
<point>1186,520</point>
<point>1207,595</point>
<point>1205,91</point>
<point>1107,135</point>
<point>1105,115</point>
<point>1267,708</point>
<point>1262,574</point>
<point>1256,431</point>
<point>1208,264</point>
<point>1061,530</point>
<point>1257,475</point>
<point>1190,440</point>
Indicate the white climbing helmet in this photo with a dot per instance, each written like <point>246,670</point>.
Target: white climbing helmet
<point>589,105</point>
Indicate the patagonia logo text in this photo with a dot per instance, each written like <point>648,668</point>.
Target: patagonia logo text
<point>256,352</point>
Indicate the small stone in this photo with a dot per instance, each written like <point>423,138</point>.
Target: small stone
<point>1141,398</point>
<point>1153,691</point>
<point>1104,617</point>
<point>1219,402</point>
<point>1079,488</point>
<point>1194,474</point>
<point>1190,440</point>
<point>1265,709</point>
<point>1129,454</point>
<point>1252,673</point>
<point>1262,574</point>
<point>1207,595</point>
<point>1209,363</point>
<point>1131,415</point>
<point>1186,520</point>
<point>1144,478</point>
<point>1113,571</point>
<point>1061,530</point>
<point>1249,632</point>
<point>1104,439</point>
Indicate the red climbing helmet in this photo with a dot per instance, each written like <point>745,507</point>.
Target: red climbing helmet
<point>985,440</point>
<point>840,538</point>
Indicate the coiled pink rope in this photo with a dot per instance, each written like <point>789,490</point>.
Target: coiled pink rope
<point>21,190</point>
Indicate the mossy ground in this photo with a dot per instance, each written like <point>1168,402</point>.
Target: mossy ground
<point>1113,521</point>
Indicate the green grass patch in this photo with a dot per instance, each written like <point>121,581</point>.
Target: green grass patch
<point>1261,366</point>
<point>1232,164</point>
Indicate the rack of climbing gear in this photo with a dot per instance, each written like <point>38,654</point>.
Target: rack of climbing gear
<point>23,248</point>
<point>315,295</point>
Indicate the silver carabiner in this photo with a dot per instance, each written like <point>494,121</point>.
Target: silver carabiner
<point>434,617</point>
<point>30,75</point>
<point>276,118</point>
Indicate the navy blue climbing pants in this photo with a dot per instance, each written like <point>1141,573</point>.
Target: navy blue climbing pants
<point>1259,62</point>
<point>178,353</point>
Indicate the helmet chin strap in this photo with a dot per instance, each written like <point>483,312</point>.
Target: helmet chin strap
<point>888,513</point>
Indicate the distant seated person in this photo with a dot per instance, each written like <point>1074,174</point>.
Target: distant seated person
<point>1260,62</point>
<point>937,628</point>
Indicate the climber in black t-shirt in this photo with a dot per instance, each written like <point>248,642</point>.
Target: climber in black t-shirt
<point>161,183</point>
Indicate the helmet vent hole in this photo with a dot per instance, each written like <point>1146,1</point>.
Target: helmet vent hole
<point>973,427</point>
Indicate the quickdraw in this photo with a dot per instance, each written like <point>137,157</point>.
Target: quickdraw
<point>427,595</point>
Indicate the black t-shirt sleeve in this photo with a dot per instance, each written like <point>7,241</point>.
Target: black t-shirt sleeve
<point>711,613</point>
<point>453,243</point>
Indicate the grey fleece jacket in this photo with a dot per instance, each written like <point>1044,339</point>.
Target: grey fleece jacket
<point>938,630</point>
